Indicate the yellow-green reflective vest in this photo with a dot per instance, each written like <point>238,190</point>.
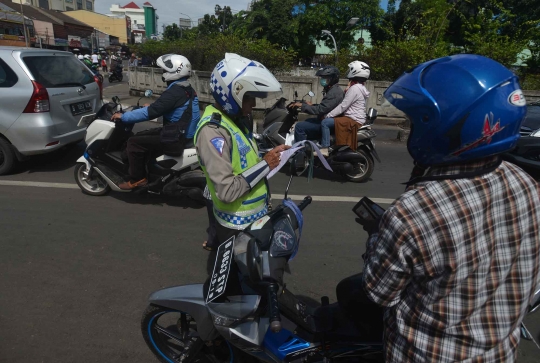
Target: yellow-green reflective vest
<point>244,155</point>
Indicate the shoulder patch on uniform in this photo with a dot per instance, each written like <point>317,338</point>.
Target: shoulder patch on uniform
<point>218,143</point>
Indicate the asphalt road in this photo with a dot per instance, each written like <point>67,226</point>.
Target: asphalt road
<point>77,269</point>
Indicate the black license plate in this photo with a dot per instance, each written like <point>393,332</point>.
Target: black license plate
<point>80,108</point>
<point>224,257</point>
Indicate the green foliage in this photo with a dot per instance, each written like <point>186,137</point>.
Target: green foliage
<point>172,32</point>
<point>205,52</point>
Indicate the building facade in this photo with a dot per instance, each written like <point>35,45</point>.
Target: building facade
<point>62,5</point>
<point>117,26</point>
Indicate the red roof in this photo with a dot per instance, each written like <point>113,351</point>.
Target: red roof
<point>147,3</point>
<point>131,5</point>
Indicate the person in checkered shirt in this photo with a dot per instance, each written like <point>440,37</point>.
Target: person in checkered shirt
<point>456,259</point>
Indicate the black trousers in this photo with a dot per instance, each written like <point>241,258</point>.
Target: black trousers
<point>212,239</point>
<point>144,145</point>
<point>367,315</point>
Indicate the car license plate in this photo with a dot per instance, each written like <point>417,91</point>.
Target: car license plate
<point>224,258</point>
<point>80,108</point>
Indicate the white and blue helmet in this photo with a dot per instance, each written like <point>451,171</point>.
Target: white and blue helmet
<point>236,76</point>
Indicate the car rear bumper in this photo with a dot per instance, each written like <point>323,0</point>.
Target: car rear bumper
<point>34,134</point>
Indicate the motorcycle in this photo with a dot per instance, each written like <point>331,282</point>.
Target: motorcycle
<point>265,321</point>
<point>104,165</point>
<point>116,74</point>
<point>356,166</point>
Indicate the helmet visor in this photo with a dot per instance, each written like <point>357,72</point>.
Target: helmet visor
<point>265,96</point>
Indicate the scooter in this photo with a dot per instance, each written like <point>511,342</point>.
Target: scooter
<point>116,74</point>
<point>104,165</point>
<point>262,320</point>
<point>356,166</point>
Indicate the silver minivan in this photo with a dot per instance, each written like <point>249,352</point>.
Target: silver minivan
<point>43,94</point>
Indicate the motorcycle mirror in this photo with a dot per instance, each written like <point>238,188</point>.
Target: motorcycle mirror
<point>148,93</point>
<point>372,113</point>
<point>311,94</point>
<point>116,99</point>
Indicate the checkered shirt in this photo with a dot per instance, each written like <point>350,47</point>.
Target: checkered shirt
<point>456,262</point>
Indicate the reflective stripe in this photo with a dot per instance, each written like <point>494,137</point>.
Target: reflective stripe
<point>236,222</point>
<point>241,213</point>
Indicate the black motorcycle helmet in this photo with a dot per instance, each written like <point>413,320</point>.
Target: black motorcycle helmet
<point>330,72</point>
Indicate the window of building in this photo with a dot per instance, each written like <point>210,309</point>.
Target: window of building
<point>79,4</point>
<point>69,8</point>
<point>8,78</point>
<point>88,5</point>
<point>135,22</point>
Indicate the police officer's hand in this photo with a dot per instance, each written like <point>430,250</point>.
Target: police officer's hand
<point>273,156</point>
<point>117,117</point>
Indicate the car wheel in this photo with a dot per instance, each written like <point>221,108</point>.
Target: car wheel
<point>7,157</point>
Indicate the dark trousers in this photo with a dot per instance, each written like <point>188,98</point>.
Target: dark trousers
<point>147,144</point>
<point>212,239</point>
<point>367,315</point>
<point>140,148</point>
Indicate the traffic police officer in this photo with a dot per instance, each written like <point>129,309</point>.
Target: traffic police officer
<point>227,153</point>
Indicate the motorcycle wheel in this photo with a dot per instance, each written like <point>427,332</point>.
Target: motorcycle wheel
<point>92,184</point>
<point>120,77</point>
<point>111,79</point>
<point>100,76</point>
<point>162,331</point>
<point>362,170</point>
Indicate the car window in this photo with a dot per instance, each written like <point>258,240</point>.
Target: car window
<point>58,71</point>
<point>8,78</point>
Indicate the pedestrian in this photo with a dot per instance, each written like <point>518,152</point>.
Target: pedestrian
<point>95,60</point>
<point>133,61</point>
<point>456,258</point>
<point>235,174</point>
<point>104,65</point>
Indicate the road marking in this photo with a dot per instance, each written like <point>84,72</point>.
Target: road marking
<point>18,183</point>
<point>316,198</point>
<point>333,198</point>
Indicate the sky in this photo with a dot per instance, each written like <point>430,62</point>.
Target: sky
<point>169,13</point>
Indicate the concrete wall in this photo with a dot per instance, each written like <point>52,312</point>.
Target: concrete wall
<point>143,78</point>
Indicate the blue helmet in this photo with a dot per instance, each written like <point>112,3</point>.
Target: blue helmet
<point>461,108</point>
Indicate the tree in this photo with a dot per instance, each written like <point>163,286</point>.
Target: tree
<point>172,32</point>
<point>333,15</point>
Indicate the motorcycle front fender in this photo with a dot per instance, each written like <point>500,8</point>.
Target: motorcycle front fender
<point>188,299</point>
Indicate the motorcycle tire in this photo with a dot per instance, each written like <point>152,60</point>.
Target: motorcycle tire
<point>120,77</point>
<point>111,79</point>
<point>156,335</point>
<point>95,186</point>
<point>362,170</point>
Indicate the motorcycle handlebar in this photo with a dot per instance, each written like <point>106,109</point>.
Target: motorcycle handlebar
<point>307,201</point>
<point>275,317</point>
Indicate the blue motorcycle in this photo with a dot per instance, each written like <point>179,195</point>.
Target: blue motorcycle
<point>244,312</point>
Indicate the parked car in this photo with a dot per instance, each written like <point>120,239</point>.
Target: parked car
<point>43,94</point>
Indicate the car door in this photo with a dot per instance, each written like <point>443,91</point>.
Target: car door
<point>15,91</point>
<point>73,91</point>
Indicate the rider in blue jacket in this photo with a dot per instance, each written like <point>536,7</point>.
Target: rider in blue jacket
<point>179,106</point>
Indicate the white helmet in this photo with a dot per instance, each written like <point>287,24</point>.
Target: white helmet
<point>87,56</point>
<point>174,67</point>
<point>358,69</point>
<point>236,76</point>
<point>80,57</point>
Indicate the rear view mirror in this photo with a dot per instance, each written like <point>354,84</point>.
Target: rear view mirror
<point>311,94</point>
<point>372,113</point>
<point>116,99</point>
<point>148,93</point>
<point>299,163</point>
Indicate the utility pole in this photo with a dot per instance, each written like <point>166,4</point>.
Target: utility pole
<point>24,26</point>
